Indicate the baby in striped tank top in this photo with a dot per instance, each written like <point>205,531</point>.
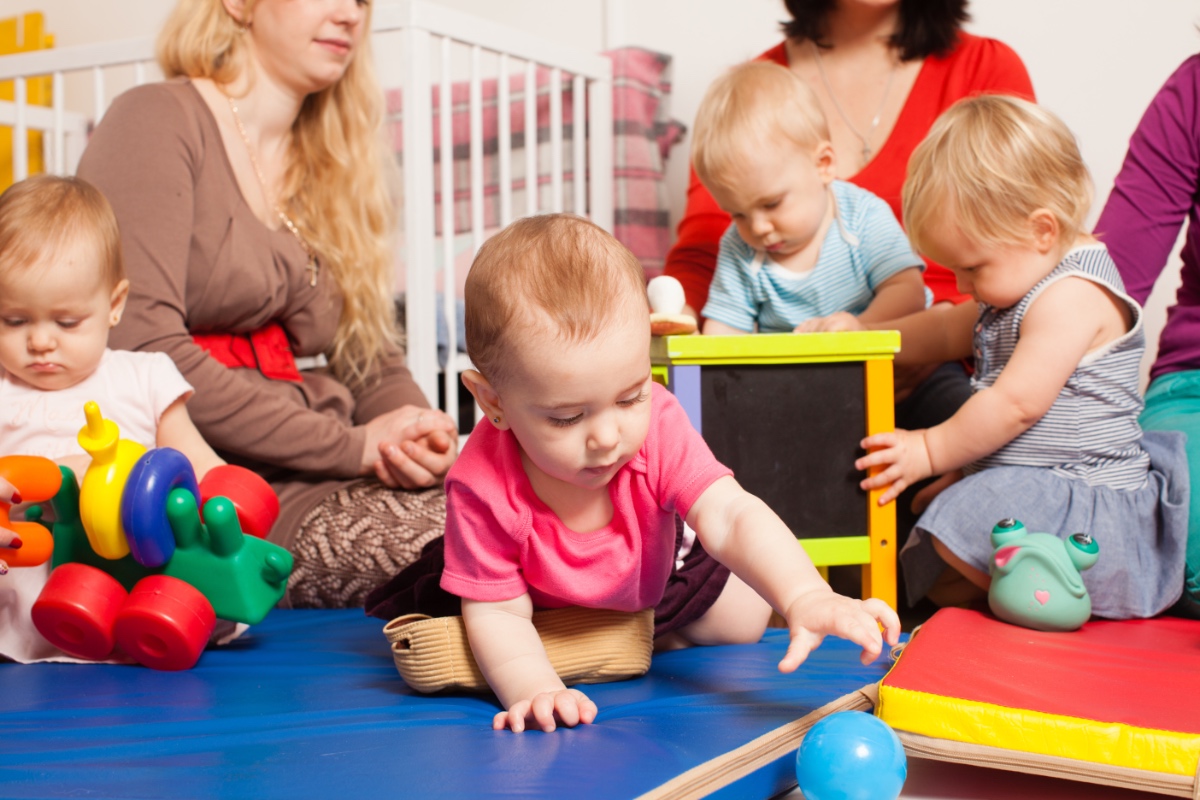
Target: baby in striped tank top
<point>802,245</point>
<point>998,192</point>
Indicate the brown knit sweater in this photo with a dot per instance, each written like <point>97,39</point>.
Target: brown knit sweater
<point>200,261</point>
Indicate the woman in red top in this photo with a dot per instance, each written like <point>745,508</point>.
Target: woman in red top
<point>883,72</point>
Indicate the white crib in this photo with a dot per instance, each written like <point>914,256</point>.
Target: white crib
<point>423,52</point>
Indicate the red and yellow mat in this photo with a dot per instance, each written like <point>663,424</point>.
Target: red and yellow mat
<point>1118,694</point>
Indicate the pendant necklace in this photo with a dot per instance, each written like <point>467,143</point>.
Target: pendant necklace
<point>313,266</point>
<point>866,140</point>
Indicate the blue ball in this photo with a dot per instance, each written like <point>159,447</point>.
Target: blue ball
<point>851,755</point>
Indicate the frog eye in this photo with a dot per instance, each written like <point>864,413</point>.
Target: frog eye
<point>1083,550</point>
<point>1006,531</point>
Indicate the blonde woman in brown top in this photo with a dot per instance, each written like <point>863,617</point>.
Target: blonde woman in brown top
<point>254,202</point>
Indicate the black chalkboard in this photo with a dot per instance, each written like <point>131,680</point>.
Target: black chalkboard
<point>790,433</point>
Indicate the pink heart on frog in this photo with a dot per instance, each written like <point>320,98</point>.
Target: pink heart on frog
<point>1042,596</point>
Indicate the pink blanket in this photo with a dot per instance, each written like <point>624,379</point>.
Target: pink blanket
<point>643,134</point>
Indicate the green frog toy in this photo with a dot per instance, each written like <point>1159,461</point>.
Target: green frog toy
<point>1036,579</point>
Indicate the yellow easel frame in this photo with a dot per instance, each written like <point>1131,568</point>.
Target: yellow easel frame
<point>876,550</point>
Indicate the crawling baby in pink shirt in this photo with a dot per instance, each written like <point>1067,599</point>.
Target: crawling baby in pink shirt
<point>567,494</point>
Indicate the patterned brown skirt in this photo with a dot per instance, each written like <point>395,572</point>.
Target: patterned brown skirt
<point>359,537</point>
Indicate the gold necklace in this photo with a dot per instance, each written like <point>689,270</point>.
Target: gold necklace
<point>313,266</point>
<point>866,140</point>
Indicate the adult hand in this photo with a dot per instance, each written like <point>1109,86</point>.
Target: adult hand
<point>571,707</point>
<point>904,456</point>
<point>410,447</point>
<point>8,539</point>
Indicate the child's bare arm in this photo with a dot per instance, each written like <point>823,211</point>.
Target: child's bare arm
<point>1070,318</point>
<point>898,296</point>
<point>714,328</point>
<point>511,657</point>
<point>931,336</point>
<point>176,429</point>
<point>741,532</point>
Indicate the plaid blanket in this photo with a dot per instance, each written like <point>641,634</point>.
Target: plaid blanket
<point>643,133</point>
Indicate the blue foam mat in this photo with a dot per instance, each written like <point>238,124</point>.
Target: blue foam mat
<point>308,704</point>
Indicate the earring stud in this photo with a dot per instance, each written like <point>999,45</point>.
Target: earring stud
<point>496,420</point>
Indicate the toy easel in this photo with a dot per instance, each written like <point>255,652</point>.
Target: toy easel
<point>786,413</point>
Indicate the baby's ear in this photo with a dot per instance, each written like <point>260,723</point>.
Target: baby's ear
<point>120,294</point>
<point>485,395</point>
<point>826,161</point>
<point>1043,225</point>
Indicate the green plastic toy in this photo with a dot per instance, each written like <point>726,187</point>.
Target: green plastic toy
<point>242,576</point>
<point>1036,581</point>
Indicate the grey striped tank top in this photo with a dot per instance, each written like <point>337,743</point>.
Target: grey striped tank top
<point>1091,432</point>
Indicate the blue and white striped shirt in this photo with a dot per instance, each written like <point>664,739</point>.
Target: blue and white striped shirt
<point>864,248</point>
<point>1091,432</point>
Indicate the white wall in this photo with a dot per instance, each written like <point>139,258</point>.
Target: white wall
<point>86,21</point>
<point>1096,63</point>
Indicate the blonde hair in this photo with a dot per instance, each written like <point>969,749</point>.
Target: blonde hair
<point>559,266</point>
<point>996,160</point>
<point>338,181</point>
<point>746,110</point>
<point>41,214</point>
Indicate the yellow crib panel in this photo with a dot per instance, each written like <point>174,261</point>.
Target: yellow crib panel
<point>20,35</point>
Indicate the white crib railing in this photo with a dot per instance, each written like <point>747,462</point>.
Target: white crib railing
<point>429,36</point>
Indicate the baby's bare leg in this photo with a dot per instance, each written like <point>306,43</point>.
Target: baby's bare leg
<point>961,584</point>
<point>739,616</point>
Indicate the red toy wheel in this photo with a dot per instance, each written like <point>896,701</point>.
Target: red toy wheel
<point>76,611</point>
<point>165,624</point>
<point>256,503</point>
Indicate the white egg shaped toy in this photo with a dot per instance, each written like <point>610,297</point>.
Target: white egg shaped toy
<point>666,295</point>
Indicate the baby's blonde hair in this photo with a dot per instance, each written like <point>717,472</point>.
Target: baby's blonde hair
<point>746,111</point>
<point>340,176</point>
<point>996,159</point>
<point>42,214</point>
<point>559,267</point>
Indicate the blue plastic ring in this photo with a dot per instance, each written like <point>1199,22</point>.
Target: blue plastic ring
<point>144,503</point>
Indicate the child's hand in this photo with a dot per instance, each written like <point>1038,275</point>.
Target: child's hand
<point>815,614</point>
<point>568,706</point>
<point>840,321</point>
<point>907,458</point>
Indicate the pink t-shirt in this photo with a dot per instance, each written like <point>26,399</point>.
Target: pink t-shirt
<point>502,541</point>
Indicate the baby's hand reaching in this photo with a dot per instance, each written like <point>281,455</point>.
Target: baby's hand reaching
<point>840,321</point>
<point>907,458</point>
<point>571,707</point>
<point>815,614</point>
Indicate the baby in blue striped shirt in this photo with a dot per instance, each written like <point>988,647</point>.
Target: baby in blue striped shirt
<point>802,245</point>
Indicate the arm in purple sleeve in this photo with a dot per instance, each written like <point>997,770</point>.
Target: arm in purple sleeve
<point>1158,184</point>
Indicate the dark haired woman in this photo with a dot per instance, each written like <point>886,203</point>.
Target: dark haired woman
<point>883,71</point>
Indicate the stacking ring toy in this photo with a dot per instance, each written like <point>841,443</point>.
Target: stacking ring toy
<point>104,481</point>
<point>144,503</point>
